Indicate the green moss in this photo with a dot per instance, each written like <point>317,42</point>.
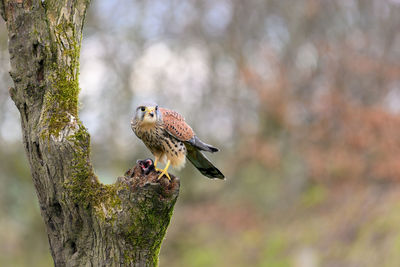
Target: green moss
<point>148,229</point>
<point>83,180</point>
<point>62,101</point>
<point>83,184</point>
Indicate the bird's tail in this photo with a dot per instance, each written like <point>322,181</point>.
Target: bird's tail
<point>203,146</point>
<point>203,164</point>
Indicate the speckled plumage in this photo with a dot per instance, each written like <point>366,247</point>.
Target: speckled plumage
<point>169,138</point>
<point>161,144</point>
<point>175,124</point>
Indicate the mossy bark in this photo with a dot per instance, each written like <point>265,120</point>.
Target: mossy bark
<point>88,223</point>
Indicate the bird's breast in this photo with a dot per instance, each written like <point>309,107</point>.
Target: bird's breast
<point>149,135</point>
<point>162,144</point>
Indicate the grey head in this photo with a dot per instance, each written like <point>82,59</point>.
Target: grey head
<point>148,114</point>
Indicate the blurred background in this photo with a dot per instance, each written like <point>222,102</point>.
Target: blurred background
<point>302,97</point>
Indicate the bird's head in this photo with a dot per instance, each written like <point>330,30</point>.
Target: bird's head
<point>147,114</point>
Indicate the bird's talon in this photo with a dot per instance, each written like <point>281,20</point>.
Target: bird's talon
<point>162,173</point>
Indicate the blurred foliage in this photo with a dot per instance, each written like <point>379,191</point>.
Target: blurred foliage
<point>302,97</point>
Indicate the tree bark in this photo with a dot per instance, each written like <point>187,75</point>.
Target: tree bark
<point>88,223</point>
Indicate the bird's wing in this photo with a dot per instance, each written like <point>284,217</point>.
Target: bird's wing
<point>175,124</point>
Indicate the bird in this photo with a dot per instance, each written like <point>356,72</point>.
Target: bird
<point>170,139</point>
<point>146,165</point>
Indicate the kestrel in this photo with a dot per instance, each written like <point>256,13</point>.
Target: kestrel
<point>169,138</point>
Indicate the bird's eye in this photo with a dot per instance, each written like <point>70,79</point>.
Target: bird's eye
<point>142,108</point>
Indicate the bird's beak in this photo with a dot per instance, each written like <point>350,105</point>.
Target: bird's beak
<point>150,111</point>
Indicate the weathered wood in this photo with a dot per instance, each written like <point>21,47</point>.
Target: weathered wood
<point>88,223</point>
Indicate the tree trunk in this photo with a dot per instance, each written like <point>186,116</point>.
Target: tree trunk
<point>88,223</point>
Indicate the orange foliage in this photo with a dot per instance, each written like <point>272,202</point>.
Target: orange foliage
<point>348,141</point>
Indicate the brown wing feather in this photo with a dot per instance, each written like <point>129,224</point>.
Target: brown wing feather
<point>175,124</point>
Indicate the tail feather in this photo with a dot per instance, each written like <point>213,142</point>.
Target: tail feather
<point>202,163</point>
<point>195,141</point>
